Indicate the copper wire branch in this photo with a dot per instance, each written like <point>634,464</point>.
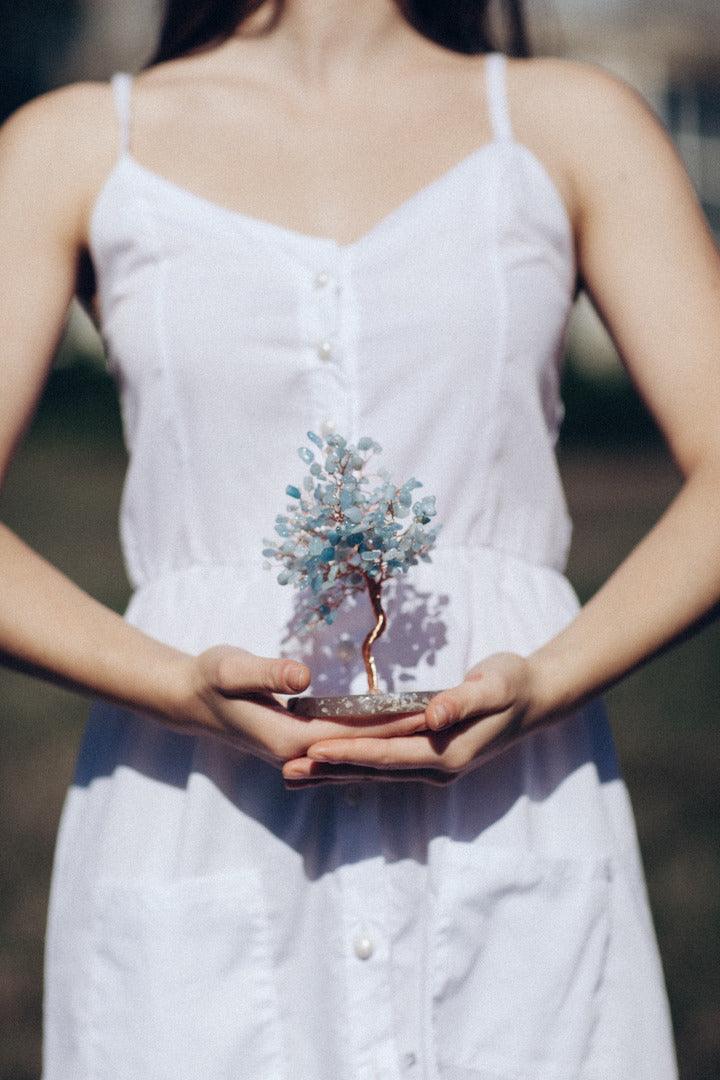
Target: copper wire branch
<point>374,591</point>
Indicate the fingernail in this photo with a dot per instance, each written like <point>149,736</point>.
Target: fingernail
<point>296,677</point>
<point>438,715</point>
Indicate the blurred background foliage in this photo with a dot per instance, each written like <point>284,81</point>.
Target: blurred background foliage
<point>64,486</point>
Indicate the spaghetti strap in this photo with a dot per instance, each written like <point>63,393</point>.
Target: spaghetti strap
<point>121,83</point>
<point>495,75</point>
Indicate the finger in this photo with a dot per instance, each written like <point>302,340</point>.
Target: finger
<point>483,694</point>
<point>237,671</point>
<point>412,752</point>
<point>379,726</point>
<point>449,751</point>
<point>258,723</point>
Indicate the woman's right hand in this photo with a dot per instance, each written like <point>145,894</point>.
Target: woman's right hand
<point>228,693</point>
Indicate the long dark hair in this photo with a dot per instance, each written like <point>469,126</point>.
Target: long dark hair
<point>466,26</point>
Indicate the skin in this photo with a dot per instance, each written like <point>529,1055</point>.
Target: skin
<point>645,255</point>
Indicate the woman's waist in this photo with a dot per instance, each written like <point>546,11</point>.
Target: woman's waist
<point>497,528</point>
<point>468,600</point>
<point>447,560</point>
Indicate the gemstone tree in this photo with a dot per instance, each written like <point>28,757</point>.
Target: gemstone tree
<point>344,535</point>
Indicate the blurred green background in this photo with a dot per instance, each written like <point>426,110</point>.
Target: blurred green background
<point>63,490</point>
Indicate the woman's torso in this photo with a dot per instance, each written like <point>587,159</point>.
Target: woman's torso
<point>438,331</point>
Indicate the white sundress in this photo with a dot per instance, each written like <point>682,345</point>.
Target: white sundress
<point>207,924</point>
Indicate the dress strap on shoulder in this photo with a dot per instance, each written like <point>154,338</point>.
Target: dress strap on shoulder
<point>121,83</point>
<point>495,75</point>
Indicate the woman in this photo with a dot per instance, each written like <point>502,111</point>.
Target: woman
<point>358,218</point>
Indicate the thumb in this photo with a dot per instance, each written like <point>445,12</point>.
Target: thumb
<point>487,688</point>
<point>234,670</point>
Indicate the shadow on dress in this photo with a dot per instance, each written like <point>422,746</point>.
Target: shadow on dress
<point>416,633</point>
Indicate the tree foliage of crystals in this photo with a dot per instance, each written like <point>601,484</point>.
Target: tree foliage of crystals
<point>341,535</point>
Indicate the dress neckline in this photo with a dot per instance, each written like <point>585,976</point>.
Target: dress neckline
<point>203,204</point>
<point>188,202</point>
<point>210,210</point>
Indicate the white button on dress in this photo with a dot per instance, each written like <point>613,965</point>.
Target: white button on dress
<point>322,278</point>
<point>364,946</point>
<point>324,350</point>
<point>206,922</point>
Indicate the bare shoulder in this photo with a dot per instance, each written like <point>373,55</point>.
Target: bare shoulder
<point>57,149</point>
<point>599,128</point>
<point>581,98</point>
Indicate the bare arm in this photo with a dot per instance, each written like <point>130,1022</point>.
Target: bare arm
<point>652,268</point>
<point>46,622</point>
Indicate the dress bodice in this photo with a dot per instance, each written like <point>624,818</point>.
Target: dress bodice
<point>439,333</point>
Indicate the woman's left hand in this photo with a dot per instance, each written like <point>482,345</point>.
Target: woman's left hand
<point>494,706</point>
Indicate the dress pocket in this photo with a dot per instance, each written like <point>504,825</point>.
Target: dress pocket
<point>519,952</point>
<point>181,981</point>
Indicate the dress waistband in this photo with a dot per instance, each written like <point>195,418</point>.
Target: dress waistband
<point>462,553</point>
